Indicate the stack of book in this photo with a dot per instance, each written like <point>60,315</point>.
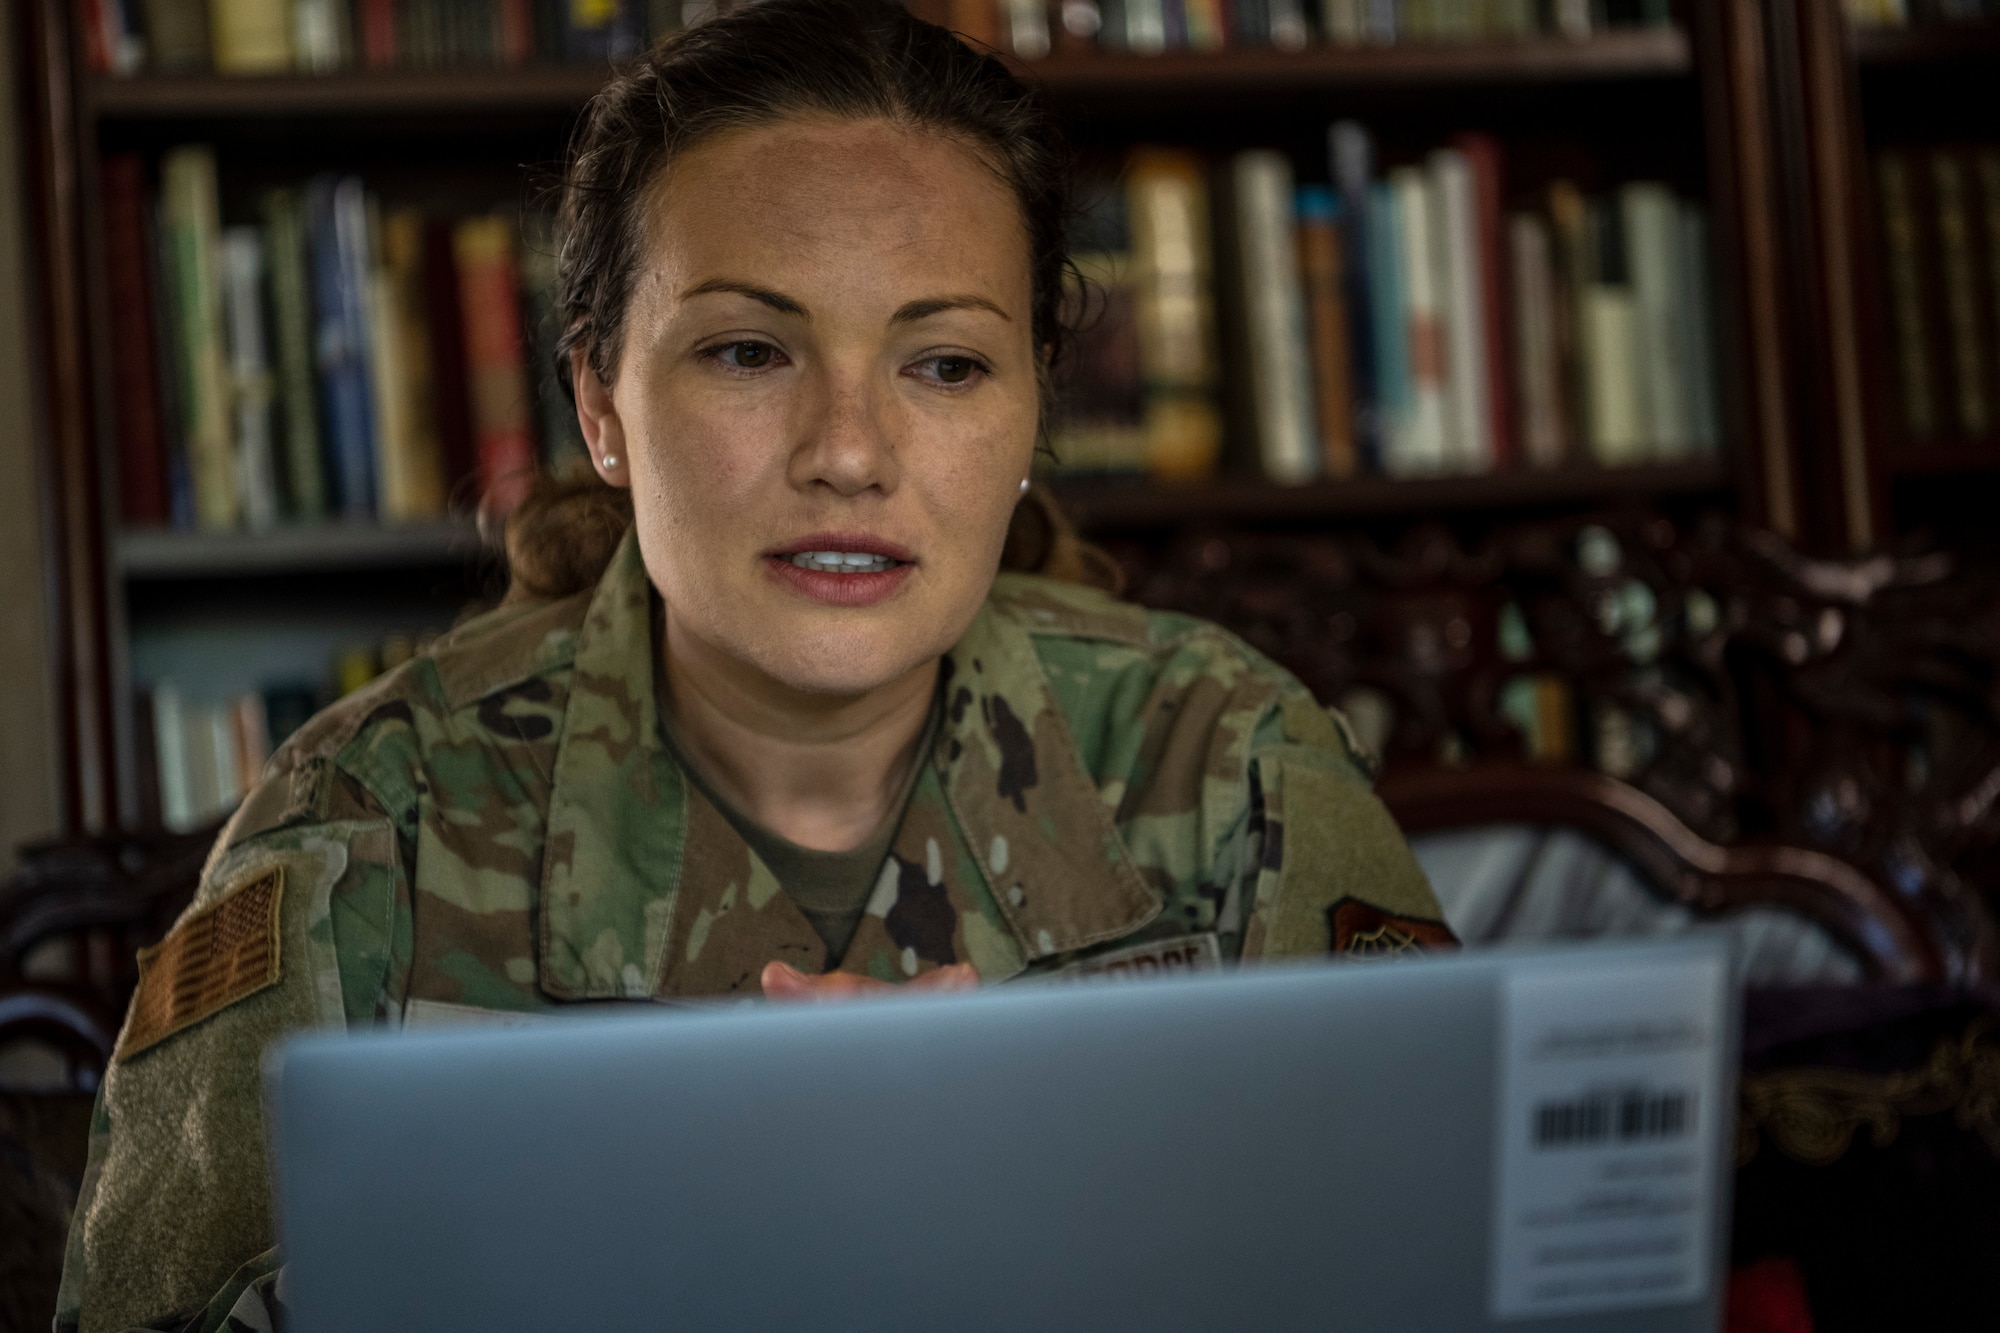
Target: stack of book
<point>204,754</point>
<point>1941,233</point>
<point>322,36</point>
<point>1908,13</point>
<point>328,359</point>
<point>1430,320</point>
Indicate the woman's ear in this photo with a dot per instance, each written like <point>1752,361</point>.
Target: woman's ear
<point>603,432</point>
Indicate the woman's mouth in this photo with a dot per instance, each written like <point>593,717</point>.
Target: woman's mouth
<point>843,562</point>
<point>842,569</point>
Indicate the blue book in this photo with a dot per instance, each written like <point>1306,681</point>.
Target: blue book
<point>337,222</point>
<point>1394,398</point>
<point>1352,155</point>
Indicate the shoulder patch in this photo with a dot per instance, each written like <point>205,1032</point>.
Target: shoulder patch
<point>1363,930</point>
<point>227,951</point>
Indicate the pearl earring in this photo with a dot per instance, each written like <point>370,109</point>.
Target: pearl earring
<point>1024,485</point>
<point>610,461</point>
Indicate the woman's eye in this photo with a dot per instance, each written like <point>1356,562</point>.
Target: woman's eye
<point>746,355</point>
<point>951,369</point>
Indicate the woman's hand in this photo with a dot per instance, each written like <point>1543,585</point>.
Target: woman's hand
<point>782,981</point>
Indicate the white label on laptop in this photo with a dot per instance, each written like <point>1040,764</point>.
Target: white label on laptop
<point>1610,1093</point>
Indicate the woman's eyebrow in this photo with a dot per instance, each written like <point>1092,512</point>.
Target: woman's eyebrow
<point>935,305</point>
<point>778,301</point>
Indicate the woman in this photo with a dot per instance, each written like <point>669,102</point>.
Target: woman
<point>788,733</point>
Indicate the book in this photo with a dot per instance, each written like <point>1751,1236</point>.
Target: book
<point>1610,348</point>
<point>1274,317</point>
<point>177,806</point>
<point>979,20</point>
<point>1652,243</point>
<point>337,237</point>
<point>250,387</point>
<point>1173,266</point>
<point>1388,324</point>
<point>489,282</point>
<point>379,33</point>
<point>177,35</point>
<point>408,459</point>
<point>1321,276</point>
<point>172,363</point>
<point>1698,328</point>
<point>292,345</point>
<point>142,445</point>
<point>1537,369</point>
<point>1351,159</point>
<point>1906,305</point>
<point>192,232</point>
<point>1345,22</point>
<point>1468,431</point>
<point>1569,220</point>
<point>1419,443</point>
<point>1965,353</point>
<point>452,393</point>
<point>322,35</point>
<point>251,36</point>
<point>1027,24</point>
<point>1289,28</point>
<point>1483,157</point>
<point>1145,27</point>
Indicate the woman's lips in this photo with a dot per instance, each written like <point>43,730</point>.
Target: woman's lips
<point>843,589</point>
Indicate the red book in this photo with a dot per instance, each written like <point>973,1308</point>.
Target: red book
<point>142,441</point>
<point>1482,154</point>
<point>517,31</point>
<point>96,49</point>
<point>378,33</point>
<point>489,291</point>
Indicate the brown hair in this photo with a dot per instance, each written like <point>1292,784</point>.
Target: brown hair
<point>760,63</point>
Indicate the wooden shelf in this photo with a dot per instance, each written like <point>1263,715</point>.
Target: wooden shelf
<point>1098,506</point>
<point>1639,52</point>
<point>1926,44</point>
<point>159,555</point>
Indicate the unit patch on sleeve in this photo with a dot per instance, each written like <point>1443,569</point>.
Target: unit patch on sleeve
<point>1363,930</point>
<point>226,952</point>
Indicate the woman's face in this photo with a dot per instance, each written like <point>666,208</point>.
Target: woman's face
<point>826,398</point>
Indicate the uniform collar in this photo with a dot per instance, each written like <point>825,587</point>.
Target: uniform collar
<point>1034,831</point>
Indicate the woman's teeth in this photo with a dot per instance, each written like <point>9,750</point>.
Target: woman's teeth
<point>842,562</point>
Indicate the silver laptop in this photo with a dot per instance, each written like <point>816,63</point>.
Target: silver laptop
<point>1501,1140</point>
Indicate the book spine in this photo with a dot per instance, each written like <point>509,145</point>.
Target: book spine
<point>1420,445</point>
<point>250,732</point>
<point>1535,357</point>
<point>1468,432</point>
<point>408,457</point>
<point>1320,274</point>
<point>1280,376</point>
<point>1573,19</point>
<point>489,292</point>
<point>444,315</point>
<point>337,218</point>
<point>1289,29</point>
<point>1027,28</point>
<point>142,446</point>
<point>251,36</point>
<point>1350,159</point>
<point>96,25</point>
<point>562,439</point>
<point>171,367</point>
<point>1248,23</point>
<point>379,34</point>
<point>292,325</point>
<point>1698,325</point>
<point>1966,355</point>
<point>1569,216</point>
<point>1384,22</point>
<point>1651,216</point>
<point>1395,400</point>
<point>320,35</point>
<point>1173,265</point>
<point>1483,156</point>
<point>177,35</point>
<point>170,755</point>
<point>1610,347</point>
<point>1145,26</point>
<point>1986,165</point>
<point>250,375</point>
<point>193,233</point>
<point>1345,22</point>
<point>514,24</point>
<point>1913,356</point>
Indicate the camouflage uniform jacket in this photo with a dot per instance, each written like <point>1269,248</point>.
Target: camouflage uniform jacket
<point>498,826</point>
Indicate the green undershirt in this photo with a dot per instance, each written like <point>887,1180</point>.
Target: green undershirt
<point>831,889</point>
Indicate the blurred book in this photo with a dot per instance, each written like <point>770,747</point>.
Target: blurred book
<point>489,281</point>
<point>1167,204</point>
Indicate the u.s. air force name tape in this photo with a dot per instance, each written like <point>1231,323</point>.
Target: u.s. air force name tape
<point>1154,958</point>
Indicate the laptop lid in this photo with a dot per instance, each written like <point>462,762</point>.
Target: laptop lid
<point>1519,1140</point>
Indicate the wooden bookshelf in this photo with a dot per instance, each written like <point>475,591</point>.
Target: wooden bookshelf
<point>1938,460</point>
<point>157,555</point>
<point>1618,55</point>
<point>1106,505</point>
<point>1926,44</point>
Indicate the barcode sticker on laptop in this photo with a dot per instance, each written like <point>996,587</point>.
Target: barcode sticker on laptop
<point>1610,1097</point>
